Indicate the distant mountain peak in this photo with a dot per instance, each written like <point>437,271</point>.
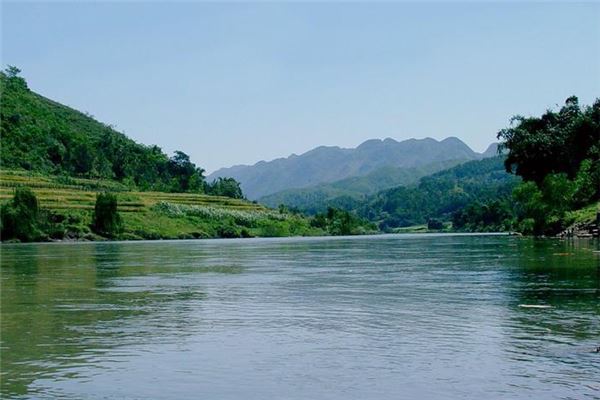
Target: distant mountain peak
<point>491,151</point>
<point>452,139</point>
<point>370,144</point>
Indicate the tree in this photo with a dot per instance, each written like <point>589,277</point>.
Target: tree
<point>19,217</point>
<point>186,176</point>
<point>553,143</point>
<point>82,158</point>
<point>14,80</point>
<point>435,224</point>
<point>558,157</point>
<point>106,220</point>
<point>587,183</point>
<point>228,187</point>
<point>341,222</point>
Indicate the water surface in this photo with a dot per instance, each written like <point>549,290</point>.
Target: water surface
<point>385,317</point>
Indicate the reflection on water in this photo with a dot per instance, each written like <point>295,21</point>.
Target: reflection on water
<point>426,316</point>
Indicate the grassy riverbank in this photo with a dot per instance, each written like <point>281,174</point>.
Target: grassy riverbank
<point>69,203</point>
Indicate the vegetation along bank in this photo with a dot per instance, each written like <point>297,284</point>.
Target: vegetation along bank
<point>66,176</point>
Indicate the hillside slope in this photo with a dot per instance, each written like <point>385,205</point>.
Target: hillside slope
<point>328,164</point>
<point>41,135</point>
<point>341,193</point>
<point>67,207</point>
<point>440,194</point>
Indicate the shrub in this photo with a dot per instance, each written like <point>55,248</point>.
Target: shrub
<point>434,224</point>
<point>228,231</point>
<point>19,217</point>
<point>106,220</point>
<point>245,233</point>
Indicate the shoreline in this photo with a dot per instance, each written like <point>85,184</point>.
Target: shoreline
<point>274,238</point>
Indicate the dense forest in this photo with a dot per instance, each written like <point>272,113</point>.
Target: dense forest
<point>41,135</point>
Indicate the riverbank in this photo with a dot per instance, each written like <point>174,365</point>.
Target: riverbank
<point>67,206</point>
<point>66,209</point>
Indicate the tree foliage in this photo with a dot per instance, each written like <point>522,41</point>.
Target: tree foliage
<point>493,216</point>
<point>556,142</point>
<point>558,157</point>
<point>19,218</point>
<point>106,219</point>
<point>227,187</point>
<point>341,222</point>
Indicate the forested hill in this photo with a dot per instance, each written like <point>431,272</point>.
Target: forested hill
<point>330,163</point>
<point>439,195</point>
<point>343,193</point>
<point>41,135</point>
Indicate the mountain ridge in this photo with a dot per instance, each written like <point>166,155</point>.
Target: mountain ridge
<point>325,164</point>
<point>317,198</point>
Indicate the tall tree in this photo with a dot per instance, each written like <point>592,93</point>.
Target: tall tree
<point>553,143</point>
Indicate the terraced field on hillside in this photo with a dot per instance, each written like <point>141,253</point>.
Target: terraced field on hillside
<point>59,193</point>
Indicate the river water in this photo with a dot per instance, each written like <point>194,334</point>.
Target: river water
<point>381,317</point>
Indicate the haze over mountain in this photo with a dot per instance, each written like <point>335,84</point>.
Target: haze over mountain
<point>331,163</point>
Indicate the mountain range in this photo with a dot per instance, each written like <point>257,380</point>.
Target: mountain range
<point>326,164</point>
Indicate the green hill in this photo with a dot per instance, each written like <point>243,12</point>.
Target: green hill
<point>41,135</point>
<point>439,195</point>
<point>555,159</point>
<point>346,192</point>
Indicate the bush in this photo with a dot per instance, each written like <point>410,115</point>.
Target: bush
<point>434,224</point>
<point>340,222</point>
<point>106,220</point>
<point>228,231</point>
<point>274,229</point>
<point>228,187</point>
<point>19,218</point>
<point>245,233</point>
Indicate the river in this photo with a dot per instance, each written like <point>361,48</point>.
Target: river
<point>374,317</point>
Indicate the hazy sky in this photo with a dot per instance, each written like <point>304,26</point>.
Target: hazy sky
<point>238,83</point>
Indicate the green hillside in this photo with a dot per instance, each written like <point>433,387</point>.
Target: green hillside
<point>55,161</point>
<point>41,135</point>
<point>68,203</point>
<point>439,195</point>
<point>346,192</point>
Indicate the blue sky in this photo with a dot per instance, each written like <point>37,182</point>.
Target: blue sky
<point>242,82</point>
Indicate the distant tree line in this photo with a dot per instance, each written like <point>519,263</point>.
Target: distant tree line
<point>341,222</point>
